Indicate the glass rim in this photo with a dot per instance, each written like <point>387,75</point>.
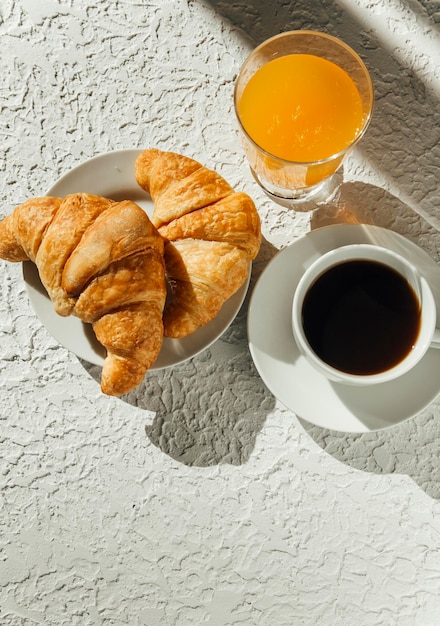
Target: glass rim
<point>361,64</point>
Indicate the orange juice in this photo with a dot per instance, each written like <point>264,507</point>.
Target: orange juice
<point>302,108</point>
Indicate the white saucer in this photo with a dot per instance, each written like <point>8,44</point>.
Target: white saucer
<point>112,175</point>
<point>292,379</point>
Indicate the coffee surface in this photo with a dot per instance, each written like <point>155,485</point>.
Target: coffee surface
<point>361,317</point>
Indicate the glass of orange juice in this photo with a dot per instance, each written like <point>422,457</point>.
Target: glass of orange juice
<point>303,99</point>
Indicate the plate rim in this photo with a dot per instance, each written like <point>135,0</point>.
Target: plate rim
<point>181,348</point>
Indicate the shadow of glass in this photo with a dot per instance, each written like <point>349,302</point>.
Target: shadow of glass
<point>210,409</point>
<point>261,19</point>
<point>363,203</point>
<point>411,447</point>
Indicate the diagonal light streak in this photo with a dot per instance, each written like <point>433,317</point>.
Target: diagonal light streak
<point>413,39</point>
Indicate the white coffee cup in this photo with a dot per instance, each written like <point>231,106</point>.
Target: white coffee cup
<point>426,334</point>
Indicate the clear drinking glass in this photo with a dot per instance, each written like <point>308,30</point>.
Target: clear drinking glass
<point>288,180</point>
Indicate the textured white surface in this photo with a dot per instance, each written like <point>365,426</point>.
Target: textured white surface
<point>198,498</point>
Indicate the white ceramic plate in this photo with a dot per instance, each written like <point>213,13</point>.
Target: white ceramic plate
<point>112,175</point>
<point>292,379</point>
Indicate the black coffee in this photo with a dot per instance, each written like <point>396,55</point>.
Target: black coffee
<point>361,317</point>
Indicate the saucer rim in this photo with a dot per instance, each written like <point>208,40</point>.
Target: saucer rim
<point>327,237</point>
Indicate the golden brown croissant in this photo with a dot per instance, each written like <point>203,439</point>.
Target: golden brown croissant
<point>211,234</point>
<point>103,262</point>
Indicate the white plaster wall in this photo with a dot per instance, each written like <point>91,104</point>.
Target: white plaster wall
<point>198,498</point>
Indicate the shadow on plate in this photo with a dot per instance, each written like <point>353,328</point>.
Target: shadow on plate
<point>412,447</point>
<point>210,409</point>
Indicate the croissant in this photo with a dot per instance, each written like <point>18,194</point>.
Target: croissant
<point>211,233</point>
<point>101,261</point>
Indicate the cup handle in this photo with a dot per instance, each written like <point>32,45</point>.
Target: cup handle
<point>435,342</point>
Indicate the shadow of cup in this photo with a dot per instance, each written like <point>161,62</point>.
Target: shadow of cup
<point>412,447</point>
